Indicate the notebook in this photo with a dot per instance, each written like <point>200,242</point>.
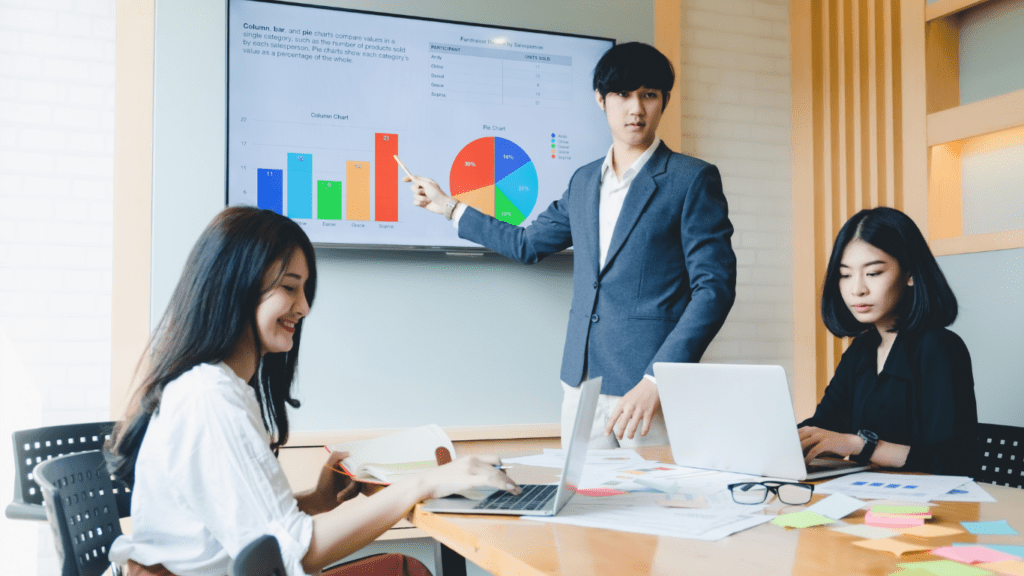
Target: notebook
<point>737,418</point>
<point>538,499</point>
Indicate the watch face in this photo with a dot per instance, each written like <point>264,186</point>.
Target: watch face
<point>868,435</point>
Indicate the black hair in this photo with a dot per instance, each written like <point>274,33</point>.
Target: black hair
<point>212,306</point>
<point>928,303</point>
<point>626,67</point>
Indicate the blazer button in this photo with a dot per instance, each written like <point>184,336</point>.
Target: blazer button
<point>595,285</point>
<point>595,318</point>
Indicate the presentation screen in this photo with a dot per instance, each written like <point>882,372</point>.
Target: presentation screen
<point>320,100</point>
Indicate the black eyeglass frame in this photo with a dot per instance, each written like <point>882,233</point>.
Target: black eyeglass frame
<point>772,487</point>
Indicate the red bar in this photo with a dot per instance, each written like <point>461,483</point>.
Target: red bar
<point>386,177</point>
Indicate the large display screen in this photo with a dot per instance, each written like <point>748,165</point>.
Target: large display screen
<point>320,100</point>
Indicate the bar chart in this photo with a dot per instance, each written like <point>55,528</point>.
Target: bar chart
<point>369,191</point>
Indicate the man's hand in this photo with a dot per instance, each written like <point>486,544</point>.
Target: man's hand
<point>639,404</point>
<point>818,441</point>
<point>427,194</point>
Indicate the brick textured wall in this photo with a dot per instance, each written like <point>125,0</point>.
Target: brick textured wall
<point>56,213</point>
<point>734,85</point>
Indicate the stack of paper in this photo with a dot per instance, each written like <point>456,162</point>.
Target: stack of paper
<point>897,516</point>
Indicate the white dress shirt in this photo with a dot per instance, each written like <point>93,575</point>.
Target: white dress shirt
<point>207,483</point>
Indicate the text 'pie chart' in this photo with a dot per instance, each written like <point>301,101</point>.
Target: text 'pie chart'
<point>495,176</point>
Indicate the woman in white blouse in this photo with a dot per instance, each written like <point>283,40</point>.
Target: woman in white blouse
<point>200,438</point>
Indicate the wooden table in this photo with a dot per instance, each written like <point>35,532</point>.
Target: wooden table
<point>506,545</point>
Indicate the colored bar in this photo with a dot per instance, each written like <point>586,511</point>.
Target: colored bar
<point>357,202</point>
<point>328,200</point>
<point>270,189</point>
<point>386,177</point>
<point>300,185</point>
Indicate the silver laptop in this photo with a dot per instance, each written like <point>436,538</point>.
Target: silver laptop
<point>737,418</point>
<point>538,499</point>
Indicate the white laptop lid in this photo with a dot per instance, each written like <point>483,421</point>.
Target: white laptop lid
<point>572,468</point>
<point>730,417</point>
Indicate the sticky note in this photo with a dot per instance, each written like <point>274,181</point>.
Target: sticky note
<point>1014,550</point>
<point>892,522</point>
<point>930,531</point>
<point>836,506</point>
<point>1011,567</point>
<point>802,519</point>
<point>997,527</point>
<point>941,568</point>
<point>899,509</point>
<point>866,532</point>
<point>891,546</point>
<point>972,554</point>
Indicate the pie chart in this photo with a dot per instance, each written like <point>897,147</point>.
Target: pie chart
<point>495,176</point>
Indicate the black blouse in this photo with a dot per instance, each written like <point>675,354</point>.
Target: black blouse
<point>923,398</point>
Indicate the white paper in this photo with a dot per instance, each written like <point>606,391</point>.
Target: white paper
<point>836,506</point>
<point>641,514</point>
<point>968,492</point>
<point>555,458</point>
<point>878,485</point>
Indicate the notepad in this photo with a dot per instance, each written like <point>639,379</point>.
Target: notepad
<point>895,547</point>
<point>803,519</point>
<point>871,519</point>
<point>883,509</point>
<point>973,554</point>
<point>997,527</point>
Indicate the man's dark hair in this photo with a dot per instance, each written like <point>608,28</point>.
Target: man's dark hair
<point>628,66</point>
<point>929,303</point>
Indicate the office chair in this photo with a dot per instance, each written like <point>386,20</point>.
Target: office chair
<point>1000,455</point>
<point>82,510</point>
<point>261,557</point>
<point>34,446</point>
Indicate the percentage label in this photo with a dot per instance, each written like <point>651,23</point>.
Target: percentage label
<point>509,157</point>
<point>508,214</point>
<point>524,188</point>
<point>470,163</point>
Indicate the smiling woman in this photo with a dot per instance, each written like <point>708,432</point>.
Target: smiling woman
<point>903,393</point>
<point>199,442</point>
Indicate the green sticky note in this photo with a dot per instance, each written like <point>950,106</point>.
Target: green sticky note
<point>804,519</point>
<point>899,509</point>
<point>941,568</point>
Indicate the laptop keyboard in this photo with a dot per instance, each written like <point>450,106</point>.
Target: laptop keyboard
<point>533,497</point>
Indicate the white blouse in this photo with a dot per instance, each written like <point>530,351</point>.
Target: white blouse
<point>207,483</point>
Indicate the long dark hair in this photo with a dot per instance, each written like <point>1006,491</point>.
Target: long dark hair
<point>212,307</point>
<point>929,303</point>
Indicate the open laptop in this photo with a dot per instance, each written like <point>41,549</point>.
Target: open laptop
<point>737,418</point>
<point>538,499</point>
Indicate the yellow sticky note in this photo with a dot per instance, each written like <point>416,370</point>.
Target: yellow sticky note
<point>1011,567</point>
<point>930,531</point>
<point>891,546</point>
<point>804,519</point>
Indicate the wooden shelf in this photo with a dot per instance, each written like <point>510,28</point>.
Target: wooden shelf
<point>977,243</point>
<point>976,119</point>
<point>456,433</point>
<point>948,7</point>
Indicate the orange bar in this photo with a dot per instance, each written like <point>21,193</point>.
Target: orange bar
<point>385,177</point>
<point>357,201</point>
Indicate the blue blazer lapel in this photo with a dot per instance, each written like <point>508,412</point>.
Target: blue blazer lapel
<point>639,195</point>
<point>589,239</point>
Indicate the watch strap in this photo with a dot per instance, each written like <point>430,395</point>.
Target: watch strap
<point>870,443</point>
<point>449,208</point>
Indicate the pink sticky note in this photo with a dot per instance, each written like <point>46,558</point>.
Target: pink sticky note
<point>972,554</point>
<point>599,491</point>
<point>889,522</point>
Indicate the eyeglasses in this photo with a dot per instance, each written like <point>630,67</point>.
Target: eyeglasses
<point>757,492</point>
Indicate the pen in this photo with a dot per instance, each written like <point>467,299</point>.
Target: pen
<point>400,163</point>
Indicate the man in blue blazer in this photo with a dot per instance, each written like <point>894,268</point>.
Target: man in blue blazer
<point>654,274</point>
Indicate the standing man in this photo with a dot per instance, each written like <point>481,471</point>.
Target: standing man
<point>654,274</point>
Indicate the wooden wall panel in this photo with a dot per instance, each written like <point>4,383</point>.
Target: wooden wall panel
<point>850,141</point>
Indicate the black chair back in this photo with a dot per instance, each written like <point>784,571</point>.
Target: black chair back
<point>82,510</point>
<point>1001,455</point>
<point>261,557</point>
<point>32,447</point>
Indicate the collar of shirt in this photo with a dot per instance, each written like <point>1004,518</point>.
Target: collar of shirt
<point>634,168</point>
<point>896,363</point>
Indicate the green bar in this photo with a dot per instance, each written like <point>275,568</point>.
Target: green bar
<point>328,200</point>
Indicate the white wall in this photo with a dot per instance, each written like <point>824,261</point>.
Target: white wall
<point>56,212</point>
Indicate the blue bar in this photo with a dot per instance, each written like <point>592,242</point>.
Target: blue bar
<point>269,189</point>
<point>300,185</point>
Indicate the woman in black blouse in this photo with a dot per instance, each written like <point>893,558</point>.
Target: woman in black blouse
<point>903,393</point>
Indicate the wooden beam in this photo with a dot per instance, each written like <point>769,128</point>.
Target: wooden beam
<point>668,23</point>
<point>976,119</point>
<point>978,243</point>
<point>942,8</point>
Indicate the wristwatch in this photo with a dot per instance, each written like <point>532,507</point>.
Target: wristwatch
<point>870,443</point>
<point>449,208</point>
